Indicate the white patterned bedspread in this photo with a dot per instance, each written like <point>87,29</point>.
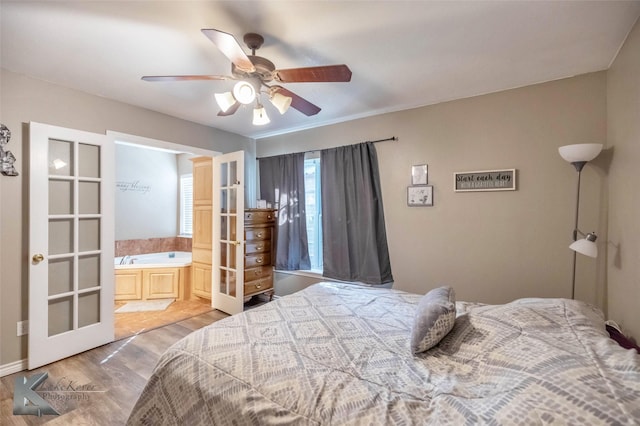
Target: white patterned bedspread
<point>336,354</point>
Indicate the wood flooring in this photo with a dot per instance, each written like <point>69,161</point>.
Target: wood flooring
<point>128,324</point>
<point>111,378</point>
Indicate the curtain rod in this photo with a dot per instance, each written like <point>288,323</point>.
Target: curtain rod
<point>392,138</point>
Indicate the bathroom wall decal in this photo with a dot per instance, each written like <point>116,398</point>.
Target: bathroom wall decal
<point>136,186</point>
<point>6,157</point>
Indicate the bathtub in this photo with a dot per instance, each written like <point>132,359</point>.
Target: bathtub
<point>169,259</point>
<point>153,276</point>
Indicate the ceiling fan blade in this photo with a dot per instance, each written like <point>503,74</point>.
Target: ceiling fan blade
<point>230,48</point>
<point>230,111</point>
<point>185,77</point>
<point>299,103</point>
<point>328,73</point>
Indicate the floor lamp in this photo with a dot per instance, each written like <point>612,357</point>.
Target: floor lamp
<point>579,155</point>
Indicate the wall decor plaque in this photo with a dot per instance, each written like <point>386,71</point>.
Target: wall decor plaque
<point>485,180</point>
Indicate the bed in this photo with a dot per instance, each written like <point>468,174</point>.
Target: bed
<point>339,354</point>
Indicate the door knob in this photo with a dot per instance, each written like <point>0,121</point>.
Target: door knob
<point>37,258</point>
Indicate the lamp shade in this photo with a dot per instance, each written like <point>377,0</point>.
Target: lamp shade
<point>586,246</point>
<point>244,92</point>
<point>580,152</point>
<point>225,100</point>
<point>260,116</point>
<point>281,102</point>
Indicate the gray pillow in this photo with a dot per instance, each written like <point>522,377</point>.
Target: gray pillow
<point>434,318</point>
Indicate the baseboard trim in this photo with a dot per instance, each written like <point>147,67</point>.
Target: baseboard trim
<point>13,367</point>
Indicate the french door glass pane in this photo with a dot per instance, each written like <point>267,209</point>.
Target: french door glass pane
<point>60,315</point>
<point>224,177</point>
<point>60,158</point>
<point>232,228</point>
<point>224,228</point>
<point>89,235</point>
<point>223,281</point>
<point>227,255</point>
<point>60,197</point>
<point>228,282</point>
<point>232,283</point>
<point>60,236</point>
<point>88,271</point>
<point>89,197</point>
<point>232,199</point>
<point>223,201</point>
<point>233,172</point>
<point>88,160</point>
<point>60,276</point>
<point>88,308</point>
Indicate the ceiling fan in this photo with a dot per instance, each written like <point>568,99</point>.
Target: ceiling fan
<point>255,72</point>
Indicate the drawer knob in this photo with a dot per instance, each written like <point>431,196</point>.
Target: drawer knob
<point>259,260</point>
<point>258,286</point>
<point>259,234</point>
<point>269,217</point>
<point>259,247</point>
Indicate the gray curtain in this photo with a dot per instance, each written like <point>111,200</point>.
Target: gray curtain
<point>282,184</point>
<point>354,236</point>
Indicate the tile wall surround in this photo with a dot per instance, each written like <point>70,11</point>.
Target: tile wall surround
<point>152,245</point>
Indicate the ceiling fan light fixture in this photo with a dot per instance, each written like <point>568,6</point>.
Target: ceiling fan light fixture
<point>225,100</point>
<point>280,101</point>
<point>260,116</point>
<point>244,92</point>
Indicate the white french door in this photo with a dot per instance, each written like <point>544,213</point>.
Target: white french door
<point>227,290</point>
<point>71,242</point>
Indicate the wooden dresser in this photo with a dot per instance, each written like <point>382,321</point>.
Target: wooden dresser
<point>259,249</point>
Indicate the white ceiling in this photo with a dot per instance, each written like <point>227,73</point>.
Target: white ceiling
<point>403,54</point>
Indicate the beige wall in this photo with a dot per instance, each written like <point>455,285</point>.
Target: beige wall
<point>623,136</point>
<point>491,246</point>
<point>23,100</point>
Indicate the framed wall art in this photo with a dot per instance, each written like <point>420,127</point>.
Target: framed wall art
<point>486,180</point>
<point>420,195</point>
<point>419,174</point>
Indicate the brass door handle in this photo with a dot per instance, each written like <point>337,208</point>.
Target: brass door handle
<point>235,243</point>
<point>37,258</point>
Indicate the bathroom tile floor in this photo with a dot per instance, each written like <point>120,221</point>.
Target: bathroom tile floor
<point>128,324</point>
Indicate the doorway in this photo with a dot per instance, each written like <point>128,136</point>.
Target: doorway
<point>148,219</point>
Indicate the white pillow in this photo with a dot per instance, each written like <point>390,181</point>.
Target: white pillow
<point>435,317</point>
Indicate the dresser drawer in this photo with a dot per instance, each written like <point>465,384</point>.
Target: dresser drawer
<point>251,274</point>
<point>252,247</point>
<point>267,216</point>
<point>259,259</point>
<point>257,233</point>
<point>258,286</point>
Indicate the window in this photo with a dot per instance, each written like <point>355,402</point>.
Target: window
<point>186,205</point>
<point>313,207</point>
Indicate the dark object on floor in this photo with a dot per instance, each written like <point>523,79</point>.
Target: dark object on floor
<point>622,340</point>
